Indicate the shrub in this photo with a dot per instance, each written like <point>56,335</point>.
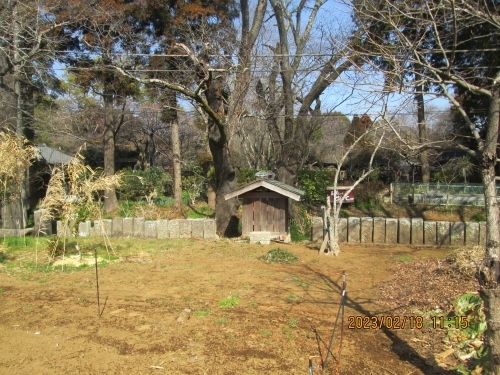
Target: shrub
<point>343,214</point>
<point>478,217</point>
<point>368,195</point>
<point>246,175</point>
<point>138,184</point>
<point>468,339</point>
<point>193,186</point>
<point>297,233</point>
<point>278,256</point>
<point>300,224</point>
<point>314,183</point>
<point>200,211</point>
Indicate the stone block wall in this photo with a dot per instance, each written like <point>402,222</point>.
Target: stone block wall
<point>141,228</point>
<point>414,231</point>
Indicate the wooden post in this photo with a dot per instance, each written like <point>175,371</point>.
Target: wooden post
<point>325,225</point>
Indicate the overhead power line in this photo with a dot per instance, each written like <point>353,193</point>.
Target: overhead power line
<point>261,70</point>
<point>258,55</point>
<point>325,115</point>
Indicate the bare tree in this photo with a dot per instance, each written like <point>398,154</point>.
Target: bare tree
<point>155,134</point>
<point>208,88</point>
<point>30,34</point>
<point>439,55</point>
<point>370,138</point>
<point>295,83</point>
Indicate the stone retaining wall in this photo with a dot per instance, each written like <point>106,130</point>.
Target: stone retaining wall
<point>404,231</point>
<point>16,232</point>
<point>141,228</point>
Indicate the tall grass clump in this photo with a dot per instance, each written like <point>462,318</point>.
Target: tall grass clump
<point>73,196</point>
<point>16,157</point>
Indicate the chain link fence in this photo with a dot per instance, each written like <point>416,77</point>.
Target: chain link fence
<point>439,193</point>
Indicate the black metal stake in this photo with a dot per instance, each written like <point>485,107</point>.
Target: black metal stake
<point>97,284</point>
<point>341,304</point>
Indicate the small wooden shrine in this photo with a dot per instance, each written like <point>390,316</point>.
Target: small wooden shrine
<point>265,206</point>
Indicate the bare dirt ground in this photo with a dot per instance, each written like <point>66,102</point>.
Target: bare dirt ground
<point>283,313</point>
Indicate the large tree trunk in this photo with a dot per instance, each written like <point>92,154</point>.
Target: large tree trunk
<point>110,200</point>
<point>491,298</point>
<point>21,131</point>
<point>225,176</point>
<point>211,185</point>
<point>422,128</point>
<point>219,142</point>
<point>20,126</point>
<point>225,210</point>
<point>8,118</point>
<point>422,133</point>
<point>489,275</point>
<point>12,119</point>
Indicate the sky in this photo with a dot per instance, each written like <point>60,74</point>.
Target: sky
<point>354,93</point>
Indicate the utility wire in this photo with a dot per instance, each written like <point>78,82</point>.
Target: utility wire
<point>258,54</point>
<point>325,115</point>
<point>308,70</point>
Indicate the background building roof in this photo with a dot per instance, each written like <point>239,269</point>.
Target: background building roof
<point>53,156</point>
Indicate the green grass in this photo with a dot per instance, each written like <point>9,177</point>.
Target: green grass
<point>299,282</point>
<point>21,242</point>
<point>289,333</point>
<point>265,333</point>
<point>279,256</point>
<point>293,323</point>
<point>478,217</point>
<point>229,302</point>
<point>127,208</point>
<point>30,255</point>
<point>402,258</point>
<point>34,267</point>
<point>366,205</point>
<point>221,321</point>
<point>291,297</point>
<point>200,211</point>
<point>201,313</point>
<point>296,235</point>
